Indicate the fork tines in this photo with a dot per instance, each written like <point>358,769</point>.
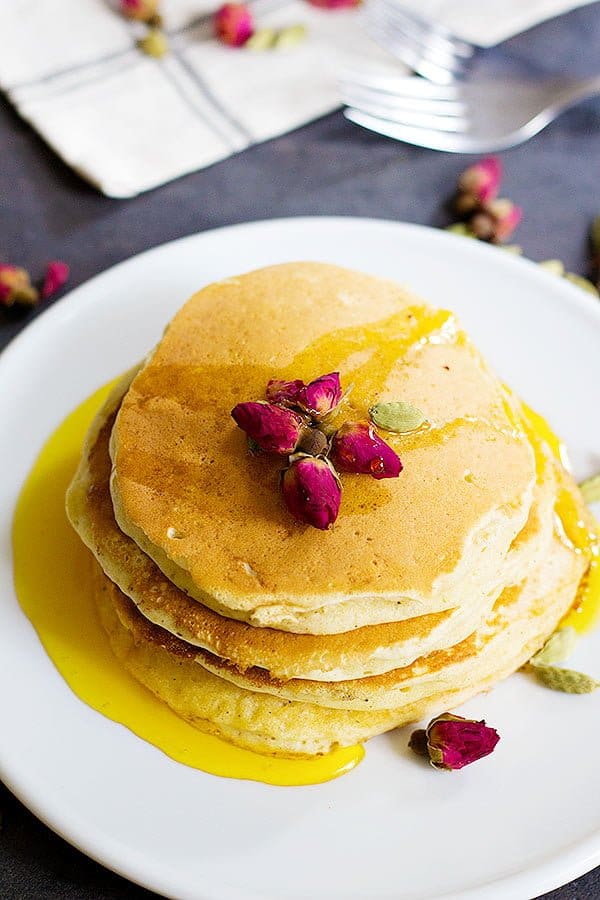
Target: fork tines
<point>425,47</point>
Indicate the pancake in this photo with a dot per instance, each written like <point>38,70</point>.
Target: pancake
<point>367,651</point>
<point>186,490</point>
<point>256,719</point>
<point>283,639</point>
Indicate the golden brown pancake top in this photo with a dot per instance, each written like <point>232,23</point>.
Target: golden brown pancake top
<point>181,466</point>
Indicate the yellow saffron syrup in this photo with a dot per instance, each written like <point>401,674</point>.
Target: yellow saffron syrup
<point>52,580</point>
<point>585,611</point>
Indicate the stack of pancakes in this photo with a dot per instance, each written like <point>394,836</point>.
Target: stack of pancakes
<point>282,638</point>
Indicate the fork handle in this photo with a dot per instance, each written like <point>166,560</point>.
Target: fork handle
<point>579,91</point>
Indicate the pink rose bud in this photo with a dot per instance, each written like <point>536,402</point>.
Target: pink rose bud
<point>57,274</point>
<point>16,287</point>
<point>312,491</point>
<point>234,24</point>
<point>322,395</point>
<point>284,392</point>
<point>334,4</point>
<point>318,398</point>
<point>357,448</point>
<point>482,180</point>
<point>506,218</point>
<point>273,428</point>
<point>452,742</point>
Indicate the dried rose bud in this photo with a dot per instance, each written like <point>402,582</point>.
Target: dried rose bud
<point>284,392</point>
<point>322,395</point>
<point>452,742</point>
<point>506,218</point>
<point>334,4</point>
<point>483,226</point>
<point>16,287</point>
<point>57,274</point>
<point>312,491</point>
<point>358,448</point>
<point>273,428</point>
<point>142,10</point>
<point>482,180</point>
<point>465,204</point>
<point>234,24</point>
<point>318,398</point>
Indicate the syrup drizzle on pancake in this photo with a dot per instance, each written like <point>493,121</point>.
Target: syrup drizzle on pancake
<point>585,611</point>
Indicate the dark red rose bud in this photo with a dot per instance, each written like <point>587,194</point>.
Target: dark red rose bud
<point>312,491</point>
<point>321,396</point>
<point>273,428</point>
<point>452,742</point>
<point>286,393</point>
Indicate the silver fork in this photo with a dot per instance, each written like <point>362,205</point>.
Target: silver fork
<point>463,117</point>
<point>422,45</point>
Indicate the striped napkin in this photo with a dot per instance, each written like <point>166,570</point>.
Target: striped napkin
<point>127,122</point>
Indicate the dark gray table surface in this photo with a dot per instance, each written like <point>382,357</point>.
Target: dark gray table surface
<point>328,167</point>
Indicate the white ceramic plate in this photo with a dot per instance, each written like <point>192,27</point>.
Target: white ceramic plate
<point>512,826</point>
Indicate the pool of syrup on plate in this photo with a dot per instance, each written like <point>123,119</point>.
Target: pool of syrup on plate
<point>52,580</point>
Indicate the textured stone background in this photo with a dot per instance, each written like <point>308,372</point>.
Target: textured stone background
<point>328,167</point>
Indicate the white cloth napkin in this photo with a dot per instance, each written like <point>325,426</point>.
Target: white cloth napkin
<point>127,122</point>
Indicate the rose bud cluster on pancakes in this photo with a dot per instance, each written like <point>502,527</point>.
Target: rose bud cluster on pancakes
<point>293,422</point>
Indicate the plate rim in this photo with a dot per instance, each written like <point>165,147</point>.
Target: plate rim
<point>549,873</point>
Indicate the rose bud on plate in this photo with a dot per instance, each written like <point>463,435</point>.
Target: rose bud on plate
<point>358,448</point>
<point>273,428</point>
<point>311,491</point>
<point>451,742</point>
<point>234,24</point>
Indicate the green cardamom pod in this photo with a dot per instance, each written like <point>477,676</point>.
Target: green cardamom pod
<point>584,283</point>
<point>289,37</point>
<point>398,416</point>
<point>263,39</point>
<point>557,648</point>
<point>154,44</point>
<point>460,228</point>
<point>566,680</point>
<point>556,266</point>
<point>590,489</point>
